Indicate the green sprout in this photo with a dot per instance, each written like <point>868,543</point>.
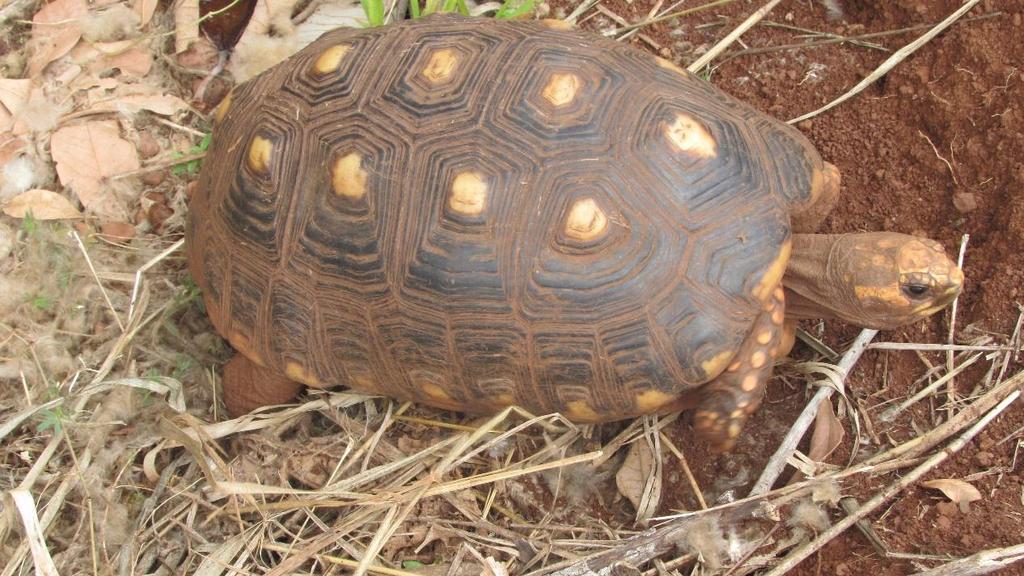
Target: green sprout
<point>41,302</point>
<point>52,420</point>
<point>192,166</point>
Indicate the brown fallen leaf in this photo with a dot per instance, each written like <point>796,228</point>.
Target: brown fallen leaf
<point>958,491</point>
<point>14,93</point>
<point>55,31</point>
<point>162,104</point>
<point>124,55</point>
<point>186,24</point>
<point>42,204</point>
<point>86,156</point>
<point>144,9</point>
<point>639,479</point>
<point>828,433</point>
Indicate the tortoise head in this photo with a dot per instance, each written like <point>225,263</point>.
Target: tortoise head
<point>876,280</point>
<point>895,279</point>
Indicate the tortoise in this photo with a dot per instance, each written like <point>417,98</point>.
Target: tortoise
<point>473,214</point>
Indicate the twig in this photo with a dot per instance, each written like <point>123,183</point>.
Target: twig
<point>1015,343</point>
<point>951,387</point>
<point>668,16</point>
<point>983,562</point>
<point>103,290</point>
<point>802,552</point>
<point>891,62</point>
<point>891,413</point>
<point>732,37</point>
<point>921,444</point>
<point>937,347</point>
<point>777,464</point>
<point>160,165</point>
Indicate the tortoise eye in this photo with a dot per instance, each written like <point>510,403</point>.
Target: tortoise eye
<point>915,290</point>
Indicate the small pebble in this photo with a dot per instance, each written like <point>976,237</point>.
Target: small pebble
<point>148,146</point>
<point>154,178</point>
<point>965,202</point>
<point>984,459</point>
<point>117,230</point>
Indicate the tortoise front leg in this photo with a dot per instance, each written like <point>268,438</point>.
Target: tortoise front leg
<point>728,400</point>
<point>248,386</point>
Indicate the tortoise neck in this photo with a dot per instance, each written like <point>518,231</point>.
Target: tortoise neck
<point>812,280</point>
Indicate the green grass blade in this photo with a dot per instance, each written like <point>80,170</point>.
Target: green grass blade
<point>374,10</point>
<point>514,9</point>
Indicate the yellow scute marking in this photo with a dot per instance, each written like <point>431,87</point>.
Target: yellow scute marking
<point>773,275</point>
<point>223,107</point>
<point>242,344</point>
<point>260,151</point>
<point>580,411</point>
<point>469,194</point>
<point>436,392</point>
<point>716,364</point>
<point>440,66</point>
<point>749,383</point>
<point>670,65</point>
<point>561,88</point>
<point>330,59</point>
<point>504,399</point>
<point>556,24</point>
<point>650,400</point>
<point>297,372</point>
<point>348,177</point>
<point>687,135</point>
<point>586,220</point>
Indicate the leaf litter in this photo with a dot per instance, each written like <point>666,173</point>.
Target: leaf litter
<point>112,425</point>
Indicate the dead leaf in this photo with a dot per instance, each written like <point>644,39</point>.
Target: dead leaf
<point>828,433</point>
<point>162,104</point>
<point>958,491</point>
<point>639,479</point>
<point>55,31</point>
<point>124,55</point>
<point>43,204</point>
<point>144,9</point>
<point>186,24</point>
<point>14,93</point>
<point>88,154</point>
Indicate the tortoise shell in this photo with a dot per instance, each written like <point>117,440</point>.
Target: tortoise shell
<point>472,213</point>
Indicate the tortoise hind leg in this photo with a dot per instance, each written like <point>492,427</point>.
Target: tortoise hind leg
<point>728,400</point>
<point>248,386</point>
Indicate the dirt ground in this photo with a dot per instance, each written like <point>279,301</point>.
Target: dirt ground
<point>934,148</point>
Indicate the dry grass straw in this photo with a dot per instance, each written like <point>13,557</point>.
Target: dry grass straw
<point>724,43</point>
